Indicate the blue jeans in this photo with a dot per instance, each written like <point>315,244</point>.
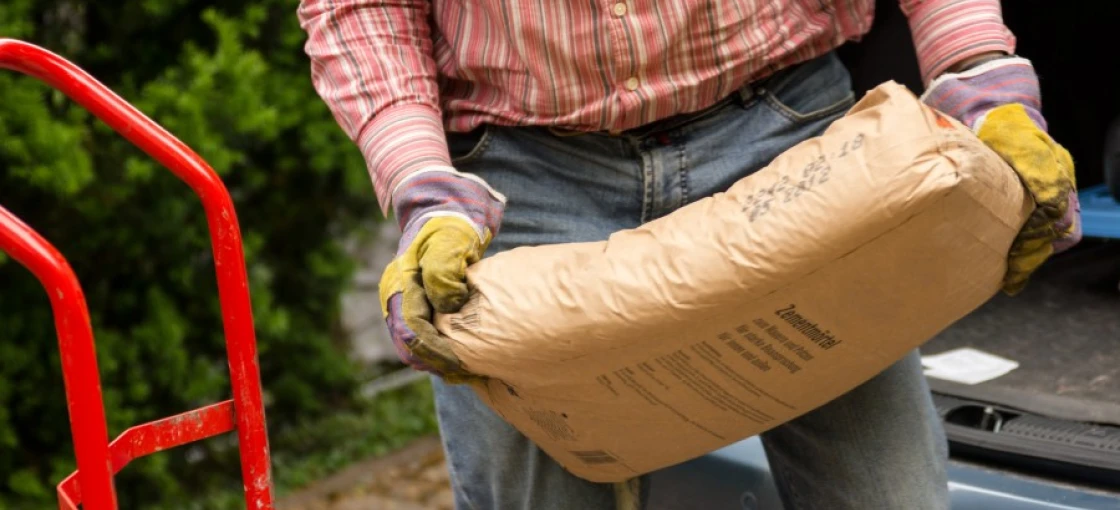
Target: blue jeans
<point>879,447</point>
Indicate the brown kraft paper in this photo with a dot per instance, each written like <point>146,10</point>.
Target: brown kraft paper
<point>744,310</point>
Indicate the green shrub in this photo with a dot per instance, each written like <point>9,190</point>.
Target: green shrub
<point>230,79</point>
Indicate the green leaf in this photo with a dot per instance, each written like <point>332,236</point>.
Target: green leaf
<point>229,80</point>
<point>25,482</point>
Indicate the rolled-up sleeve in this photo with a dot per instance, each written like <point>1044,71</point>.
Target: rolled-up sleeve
<point>948,31</point>
<point>372,64</point>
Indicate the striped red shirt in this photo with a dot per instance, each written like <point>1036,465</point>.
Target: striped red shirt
<point>397,73</point>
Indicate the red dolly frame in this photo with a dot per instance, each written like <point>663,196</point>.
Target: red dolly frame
<point>91,487</point>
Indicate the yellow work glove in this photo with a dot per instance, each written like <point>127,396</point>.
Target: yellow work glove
<point>448,221</point>
<point>1000,101</point>
<point>1046,170</point>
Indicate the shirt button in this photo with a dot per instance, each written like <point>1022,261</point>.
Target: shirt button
<point>620,9</point>
<point>632,84</point>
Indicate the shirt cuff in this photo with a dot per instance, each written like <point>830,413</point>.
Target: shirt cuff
<point>400,141</point>
<point>948,31</point>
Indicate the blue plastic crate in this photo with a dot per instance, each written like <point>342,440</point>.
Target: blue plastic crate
<point>1100,213</point>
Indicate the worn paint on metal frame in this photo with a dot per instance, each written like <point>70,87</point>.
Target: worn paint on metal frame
<point>91,486</point>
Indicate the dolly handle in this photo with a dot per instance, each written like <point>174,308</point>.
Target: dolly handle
<point>225,235</point>
<point>79,358</point>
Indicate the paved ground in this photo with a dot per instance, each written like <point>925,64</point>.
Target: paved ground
<point>414,478</point>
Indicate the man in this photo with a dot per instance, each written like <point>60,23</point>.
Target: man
<point>566,120</point>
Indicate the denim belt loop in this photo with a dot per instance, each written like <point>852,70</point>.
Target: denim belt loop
<point>746,93</point>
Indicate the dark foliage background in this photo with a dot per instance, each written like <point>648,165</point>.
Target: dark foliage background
<point>231,80</point>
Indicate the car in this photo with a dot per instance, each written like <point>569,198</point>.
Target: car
<point>1047,434</point>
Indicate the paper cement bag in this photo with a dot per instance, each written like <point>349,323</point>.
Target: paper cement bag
<point>744,310</point>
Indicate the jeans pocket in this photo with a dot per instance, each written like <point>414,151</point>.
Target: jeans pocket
<point>818,88</point>
<point>469,146</point>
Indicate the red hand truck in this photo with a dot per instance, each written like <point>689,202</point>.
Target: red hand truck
<point>91,487</point>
